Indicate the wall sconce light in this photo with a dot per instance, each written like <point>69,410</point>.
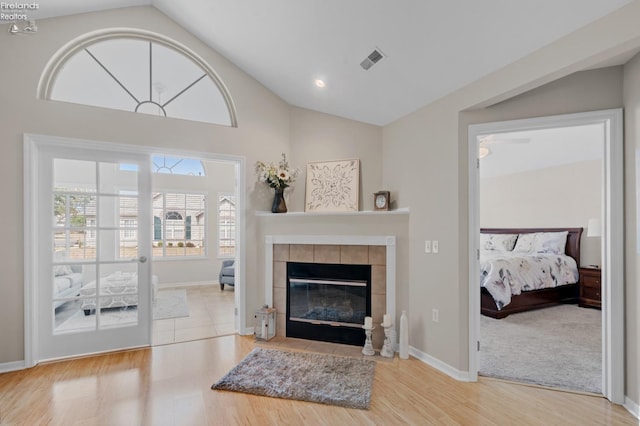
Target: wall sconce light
<point>29,28</point>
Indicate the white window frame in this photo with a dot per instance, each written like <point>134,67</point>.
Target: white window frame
<point>205,241</point>
<point>218,228</point>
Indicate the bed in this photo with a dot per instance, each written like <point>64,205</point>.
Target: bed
<point>562,275</point>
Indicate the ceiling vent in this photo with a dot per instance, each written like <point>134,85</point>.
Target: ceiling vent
<point>373,58</point>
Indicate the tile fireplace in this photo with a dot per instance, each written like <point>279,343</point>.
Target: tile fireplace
<point>334,304</point>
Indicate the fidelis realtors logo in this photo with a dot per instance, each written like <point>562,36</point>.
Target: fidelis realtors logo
<point>10,11</point>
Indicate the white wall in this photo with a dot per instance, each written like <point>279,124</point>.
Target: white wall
<point>562,196</point>
<point>632,224</point>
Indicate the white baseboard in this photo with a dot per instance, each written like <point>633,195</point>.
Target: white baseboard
<point>6,367</point>
<point>632,407</point>
<point>188,284</point>
<point>462,376</point>
<point>247,331</point>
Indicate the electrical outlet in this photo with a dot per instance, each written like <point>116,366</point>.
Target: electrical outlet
<point>435,315</point>
<point>427,246</point>
<point>434,246</point>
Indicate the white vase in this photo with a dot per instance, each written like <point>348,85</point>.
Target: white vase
<point>404,336</point>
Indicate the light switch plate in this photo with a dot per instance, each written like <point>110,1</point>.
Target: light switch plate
<point>427,246</point>
<point>434,246</point>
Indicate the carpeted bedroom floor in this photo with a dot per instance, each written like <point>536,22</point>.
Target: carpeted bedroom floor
<point>558,347</point>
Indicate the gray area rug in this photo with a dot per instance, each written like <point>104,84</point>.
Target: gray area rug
<point>170,304</point>
<point>313,377</point>
<point>559,347</point>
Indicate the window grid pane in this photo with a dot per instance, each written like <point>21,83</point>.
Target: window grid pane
<point>226,226</point>
<point>178,224</point>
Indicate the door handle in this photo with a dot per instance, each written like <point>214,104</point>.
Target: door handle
<point>142,259</point>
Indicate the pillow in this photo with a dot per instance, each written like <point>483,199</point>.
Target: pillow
<point>60,270</point>
<point>524,243</point>
<point>497,242</point>
<point>550,242</point>
<point>541,242</point>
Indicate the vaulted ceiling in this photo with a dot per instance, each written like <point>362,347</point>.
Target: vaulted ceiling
<point>430,47</point>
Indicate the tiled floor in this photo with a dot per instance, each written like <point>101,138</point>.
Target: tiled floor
<point>211,314</point>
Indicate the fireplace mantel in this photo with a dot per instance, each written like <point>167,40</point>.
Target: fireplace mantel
<point>400,211</point>
<point>388,241</point>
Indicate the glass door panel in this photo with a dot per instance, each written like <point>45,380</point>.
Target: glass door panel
<point>96,293</point>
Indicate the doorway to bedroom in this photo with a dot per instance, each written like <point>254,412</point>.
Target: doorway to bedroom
<point>522,186</point>
<point>546,177</point>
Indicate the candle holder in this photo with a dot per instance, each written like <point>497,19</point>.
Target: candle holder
<point>368,346</point>
<point>387,348</point>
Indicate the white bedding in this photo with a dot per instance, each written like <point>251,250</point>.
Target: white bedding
<point>118,290</point>
<point>509,273</point>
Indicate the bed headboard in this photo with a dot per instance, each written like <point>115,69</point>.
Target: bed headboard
<point>573,237</point>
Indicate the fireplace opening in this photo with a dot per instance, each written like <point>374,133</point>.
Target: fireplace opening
<point>328,302</point>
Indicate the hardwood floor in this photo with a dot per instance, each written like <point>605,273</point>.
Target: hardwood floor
<point>170,385</point>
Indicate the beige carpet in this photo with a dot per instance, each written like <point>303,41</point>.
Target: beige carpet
<point>305,376</point>
<point>559,347</point>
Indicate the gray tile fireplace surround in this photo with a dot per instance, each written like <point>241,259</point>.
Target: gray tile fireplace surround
<point>379,252</point>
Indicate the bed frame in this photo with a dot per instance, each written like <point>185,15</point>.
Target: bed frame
<point>534,299</point>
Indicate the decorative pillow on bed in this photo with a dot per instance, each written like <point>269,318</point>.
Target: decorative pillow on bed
<point>550,242</point>
<point>524,243</point>
<point>541,242</point>
<point>497,242</point>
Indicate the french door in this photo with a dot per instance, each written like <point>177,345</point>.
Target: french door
<point>90,273</point>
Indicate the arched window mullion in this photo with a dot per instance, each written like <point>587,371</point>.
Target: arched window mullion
<point>183,90</point>
<point>151,72</point>
<point>111,75</point>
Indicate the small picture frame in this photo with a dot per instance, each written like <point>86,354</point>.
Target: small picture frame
<point>332,186</point>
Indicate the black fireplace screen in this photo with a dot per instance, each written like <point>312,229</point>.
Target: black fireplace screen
<point>328,302</point>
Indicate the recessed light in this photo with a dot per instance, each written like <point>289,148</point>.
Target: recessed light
<point>319,83</point>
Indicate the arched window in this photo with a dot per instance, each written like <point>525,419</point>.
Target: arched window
<point>173,216</point>
<point>137,71</point>
<point>177,166</point>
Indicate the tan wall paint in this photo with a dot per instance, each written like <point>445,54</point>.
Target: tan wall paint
<point>426,164</point>
<point>563,196</point>
<point>323,137</point>
<point>263,128</point>
<point>266,127</point>
<point>632,224</point>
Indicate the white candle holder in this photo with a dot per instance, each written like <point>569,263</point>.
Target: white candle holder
<point>387,348</point>
<point>368,345</point>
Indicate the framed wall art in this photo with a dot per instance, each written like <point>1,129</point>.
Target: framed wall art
<point>332,186</point>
